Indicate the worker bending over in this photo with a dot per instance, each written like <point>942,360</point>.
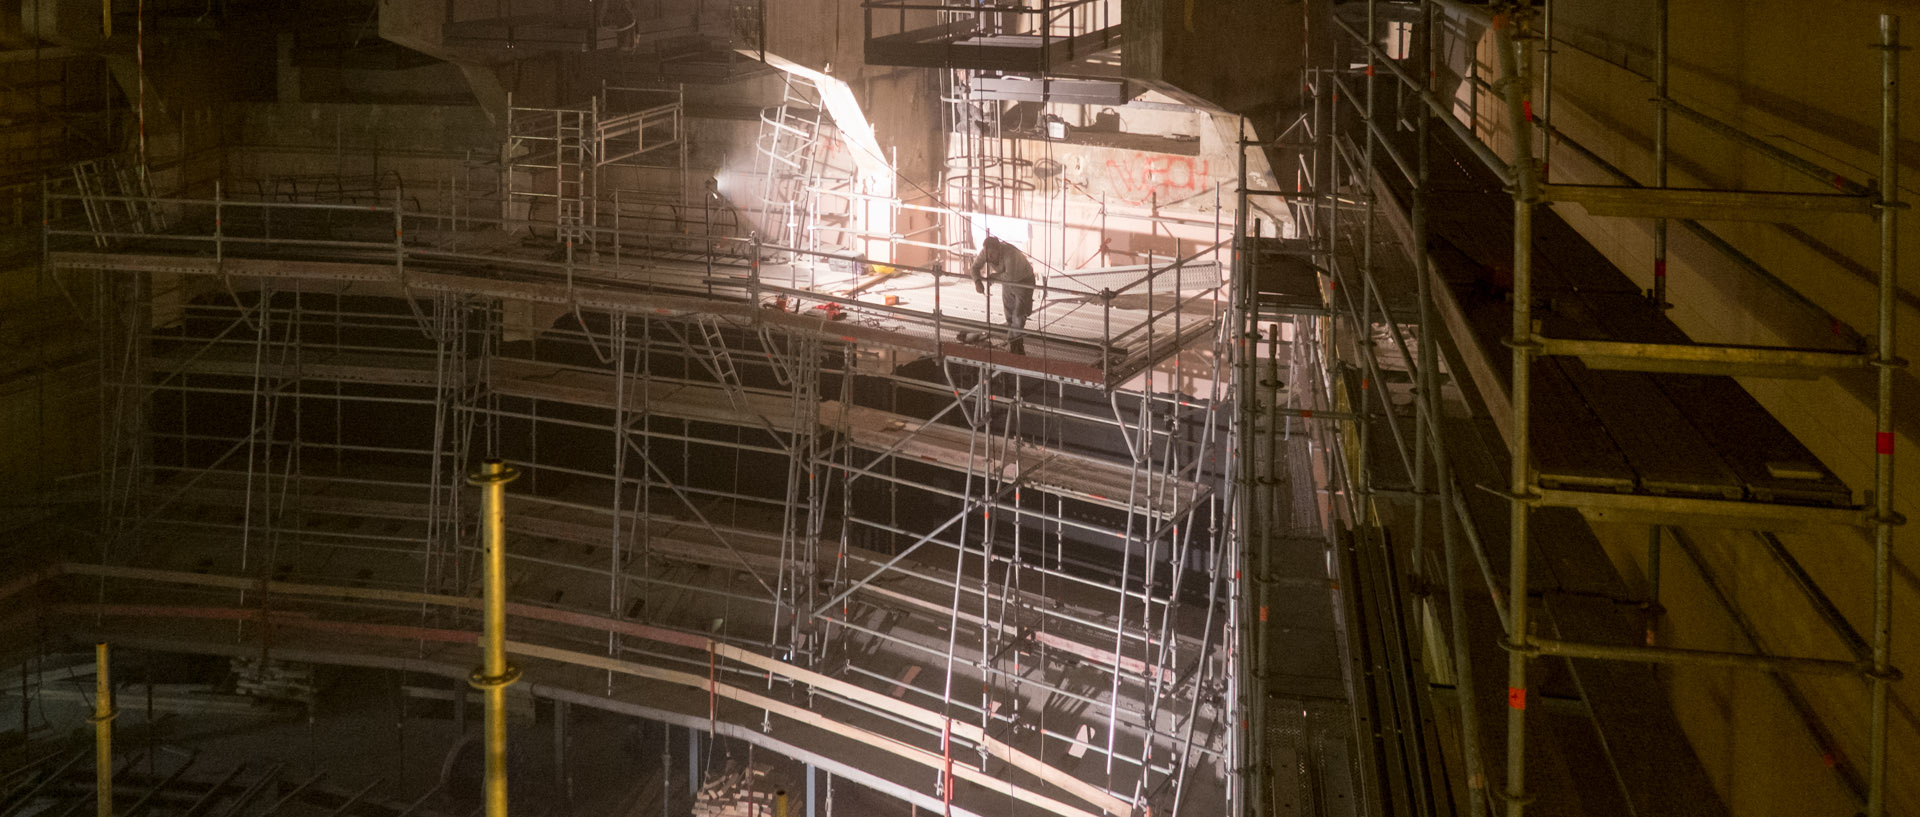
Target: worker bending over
<point>1015,274</point>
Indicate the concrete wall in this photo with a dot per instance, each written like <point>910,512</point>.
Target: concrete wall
<point>49,401</point>
<point>1805,80</point>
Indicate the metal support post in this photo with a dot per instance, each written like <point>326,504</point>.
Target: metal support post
<point>693,762</point>
<point>1516,54</point>
<point>753,273</point>
<point>1423,331</point>
<point>1882,675</point>
<point>1429,368</point>
<point>102,733</point>
<point>560,775</point>
<point>1659,156</point>
<point>495,674</point>
<point>1247,565</point>
<point>1653,582</point>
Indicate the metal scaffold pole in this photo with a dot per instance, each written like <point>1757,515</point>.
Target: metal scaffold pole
<point>1246,566</point>
<point>495,674</point>
<point>1516,51</point>
<point>102,733</point>
<point>1882,676</point>
<point>1659,156</point>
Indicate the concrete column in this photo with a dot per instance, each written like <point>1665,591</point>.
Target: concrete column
<point>560,776</point>
<point>693,762</point>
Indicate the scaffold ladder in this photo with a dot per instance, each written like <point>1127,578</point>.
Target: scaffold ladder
<point>789,146</point>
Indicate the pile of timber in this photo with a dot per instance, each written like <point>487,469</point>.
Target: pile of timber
<point>734,792</point>
<point>271,680</point>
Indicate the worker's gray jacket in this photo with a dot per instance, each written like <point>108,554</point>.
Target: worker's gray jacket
<point>1010,265</point>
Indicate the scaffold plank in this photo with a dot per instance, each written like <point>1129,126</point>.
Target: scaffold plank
<point>1737,361</point>
<point>1085,478</point>
<point>1708,205</point>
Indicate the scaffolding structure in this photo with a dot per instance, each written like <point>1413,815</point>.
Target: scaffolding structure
<point>1388,147</point>
<point>1018,37</point>
<point>955,567</point>
<point>554,160</point>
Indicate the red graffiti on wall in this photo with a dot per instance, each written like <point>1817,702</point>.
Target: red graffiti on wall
<point>1146,177</point>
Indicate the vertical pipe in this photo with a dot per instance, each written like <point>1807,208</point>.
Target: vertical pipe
<point>102,733</point>
<point>693,762</point>
<point>1246,566</point>
<point>560,776</point>
<point>1546,90</point>
<point>1659,156</point>
<point>780,803</point>
<point>753,275</point>
<point>1653,581</point>
<point>1363,335</point>
<point>494,674</point>
<point>1473,91</point>
<point>1883,517</point>
<point>1443,472</point>
<point>1423,330</point>
<point>1516,54</point>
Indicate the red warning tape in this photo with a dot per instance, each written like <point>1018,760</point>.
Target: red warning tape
<point>1516,698</point>
<point>1526,107</point>
<point>1883,442</point>
<point>1839,182</point>
<point>1660,268</point>
<point>1307,413</point>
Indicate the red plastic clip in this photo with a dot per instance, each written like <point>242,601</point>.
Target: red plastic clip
<point>1516,698</point>
<point>1660,268</point>
<point>1883,443</point>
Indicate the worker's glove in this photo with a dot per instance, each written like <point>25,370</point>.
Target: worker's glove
<point>980,287</point>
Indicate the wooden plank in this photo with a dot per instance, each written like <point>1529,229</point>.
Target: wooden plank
<point>683,400</point>
<point>810,718</point>
<point>1761,453</point>
<point>399,370</point>
<point>964,730</point>
<point>1107,802</point>
<point>1570,446</point>
<point>1086,478</point>
<point>1665,451</point>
